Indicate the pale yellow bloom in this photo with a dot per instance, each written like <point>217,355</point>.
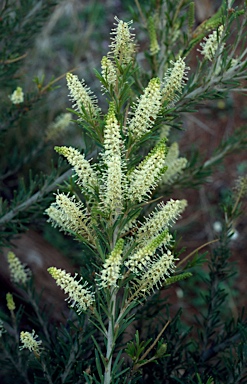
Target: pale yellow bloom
<point>29,341</point>
<point>17,96</point>
<point>157,273</point>
<point>79,296</point>
<point>174,80</point>
<point>112,192</point>
<point>70,215</point>
<point>146,111</point>
<point>86,176</point>
<point>147,174</point>
<point>110,271</point>
<point>140,261</point>
<point>164,216</point>
<point>108,71</point>
<point>122,45</point>
<point>18,271</point>
<point>81,95</point>
<point>175,165</point>
<point>211,44</point>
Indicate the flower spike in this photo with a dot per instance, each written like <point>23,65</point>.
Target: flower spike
<point>174,80</point>
<point>19,273</point>
<point>122,45</point>
<point>146,110</point>
<point>82,95</point>
<point>80,296</point>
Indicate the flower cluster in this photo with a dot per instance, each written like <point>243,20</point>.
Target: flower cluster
<point>19,273</point>
<point>175,164</point>
<point>17,96</point>
<point>84,100</point>
<point>147,174</point>
<point>146,110</point>
<point>116,187</point>
<point>174,80</point>
<point>113,187</point>
<point>29,341</point>
<point>79,295</point>
<point>110,272</point>
<point>211,44</point>
<point>70,215</point>
<point>122,45</point>
<point>87,178</point>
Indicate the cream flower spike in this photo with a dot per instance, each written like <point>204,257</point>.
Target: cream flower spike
<point>175,165</point>
<point>86,176</point>
<point>146,110</point>
<point>70,215</point>
<point>79,295</point>
<point>174,80</point>
<point>112,193</point>
<point>211,44</point>
<point>110,272</point>
<point>164,216</point>
<point>82,95</point>
<point>122,45</point>
<point>29,341</point>
<point>147,174</point>
<point>141,260</point>
<point>17,96</point>
<point>19,273</point>
<point>157,273</point>
<point>108,71</point>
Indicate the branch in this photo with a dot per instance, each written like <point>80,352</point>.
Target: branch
<point>35,198</point>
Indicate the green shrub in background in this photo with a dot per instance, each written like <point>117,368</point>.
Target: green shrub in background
<point>119,206</point>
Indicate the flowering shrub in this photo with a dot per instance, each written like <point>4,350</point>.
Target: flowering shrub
<point>113,208</point>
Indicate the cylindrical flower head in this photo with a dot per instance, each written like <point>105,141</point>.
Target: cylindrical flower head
<point>86,176</point>
<point>19,273</point>
<point>174,164</point>
<point>165,215</point>
<point>81,95</point>
<point>147,174</point>
<point>154,45</point>
<point>211,44</point>
<point>10,302</point>
<point>79,296</point>
<point>112,192</point>
<point>69,215</point>
<point>146,111</point>
<point>110,272</point>
<point>108,71</point>
<point>17,96</point>
<point>156,275</point>
<point>140,260</point>
<point>122,45</point>
<point>29,341</point>
<point>174,80</point>
<point>112,136</point>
